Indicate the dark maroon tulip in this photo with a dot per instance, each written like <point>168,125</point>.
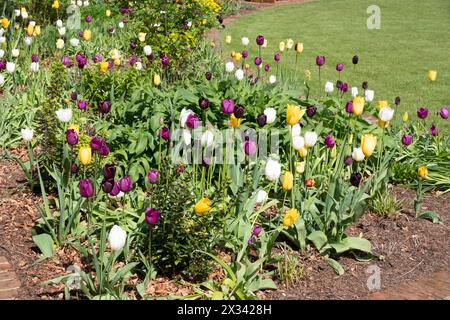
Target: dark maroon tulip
<point>104,150</point>
<point>74,168</point>
<point>2,65</point>
<point>109,171</point>
<point>267,67</point>
<point>133,45</point>
<point>96,143</point>
<point>104,107</point>
<point>262,120</point>
<point>349,107</point>
<point>88,19</point>
<point>152,216</point>
<point>206,161</point>
<point>277,57</point>
<point>397,101</point>
<point>81,104</point>
<point>107,185</point>
<point>433,130</point>
<point>344,87</point>
<point>422,113</point>
<point>227,106</point>
<point>203,103</point>
<point>164,133</point>
<point>165,60</point>
<point>74,96</point>
<point>355,59</point>
<point>260,40</point>
<point>250,148</point>
<point>86,188</point>
<point>365,85</point>
<point>355,179</point>
<point>34,58</point>
<point>81,60</point>
<point>407,139</point>
<point>125,184</point>
<point>339,84</point>
<point>71,137</point>
<point>111,30</point>
<point>339,67</point>
<point>256,230</point>
<point>444,113</point>
<point>153,176</point>
<point>258,61</point>
<point>208,75</point>
<point>348,161</point>
<point>239,111</point>
<point>311,111</point>
<point>329,141</point>
<point>132,61</point>
<point>320,60</point>
<point>81,34</point>
<point>115,190</point>
<point>192,121</point>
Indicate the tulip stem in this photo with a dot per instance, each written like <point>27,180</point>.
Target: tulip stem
<point>150,252</point>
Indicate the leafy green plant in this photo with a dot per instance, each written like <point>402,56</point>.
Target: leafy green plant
<point>385,204</point>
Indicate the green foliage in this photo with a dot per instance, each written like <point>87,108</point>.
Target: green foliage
<point>385,204</point>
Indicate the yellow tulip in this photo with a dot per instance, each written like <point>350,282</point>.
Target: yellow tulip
<point>108,13</point>
<point>282,46</point>
<point>55,4</point>
<point>156,80</point>
<point>300,167</point>
<point>333,153</point>
<point>233,53</point>
<point>303,152</point>
<point>228,39</point>
<point>237,56</point>
<point>87,34</point>
<point>141,36</point>
<point>368,144</point>
<point>117,62</point>
<point>85,155</point>
<point>432,74</point>
<point>104,66</point>
<point>74,127</point>
<point>382,104</point>
<point>212,44</point>
<point>290,217</point>
<point>247,66</point>
<point>294,114</point>
<point>203,206</point>
<point>405,117</point>
<point>287,181</point>
<point>382,124</point>
<point>235,122</point>
<point>37,31</point>
<point>299,47</point>
<point>423,172</point>
<point>307,75</point>
<point>5,23</point>
<point>358,105</point>
<point>350,139</point>
<point>30,30</point>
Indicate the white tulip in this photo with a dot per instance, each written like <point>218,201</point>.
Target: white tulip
<point>60,44</point>
<point>25,15</point>
<point>34,67</point>
<point>264,44</point>
<point>2,80</point>
<point>189,24</point>
<point>62,31</point>
<point>289,43</point>
<point>2,53</point>
<point>10,67</point>
<point>261,197</point>
<point>187,137</point>
<point>298,142</point>
<point>59,23</point>
<point>147,50</point>
<point>272,79</point>
<point>74,42</point>
<point>229,67</point>
<point>207,139</point>
<point>117,238</point>
<point>79,3</point>
<point>2,31</point>
<point>239,74</point>
<point>296,130</point>
<point>17,12</point>
<point>370,94</point>
<point>310,138</point>
<point>33,23</point>
<point>272,170</point>
<point>120,194</point>
<point>86,3</point>
<point>2,40</point>
<point>358,154</point>
<point>271,115</point>
<point>184,114</point>
<point>27,134</point>
<point>64,115</point>
<point>386,114</point>
<point>245,41</point>
<point>28,40</point>
<point>121,24</point>
<point>354,91</point>
<point>138,65</point>
<point>329,87</point>
<point>15,52</point>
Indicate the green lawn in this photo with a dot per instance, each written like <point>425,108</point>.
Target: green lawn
<point>414,37</point>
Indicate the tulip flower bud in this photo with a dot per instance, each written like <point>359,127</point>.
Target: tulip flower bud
<point>85,155</point>
<point>156,80</point>
<point>152,216</point>
<point>423,172</point>
<point>287,181</point>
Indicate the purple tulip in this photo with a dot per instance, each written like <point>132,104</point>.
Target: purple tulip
<point>407,139</point>
<point>88,19</point>
<point>74,96</point>
<point>227,106</point>
<point>244,54</point>
<point>81,104</point>
<point>320,60</point>
<point>349,106</point>
<point>348,161</point>
<point>397,101</point>
<point>192,121</point>
<point>260,40</point>
<point>74,169</point>
<point>109,171</point>
<point>329,141</point>
<point>110,64</point>
<point>104,150</point>
<point>152,216</point>
<point>277,57</point>
<point>165,60</point>
<point>444,113</point>
<point>104,107</point>
<point>250,148</point>
<point>311,111</point>
<point>97,58</point>
<point>66,61</point>
<point>433,130</point>
<point>262,120</point>
<point>2,65</point>
<point>344,87</point>
<point>355,179</point>
<point>203,103</point>
<point>339,67</point>
<point>256,230</point>
<point>34,58</point>
<point>125,184</point>
<point>86,188</point>
<point>115,190</point>
<point>153,176</point>
<point>355,59</point>
<point>71,137</point>
<point>81,34</point>
<point>132,61</point>
<point>107,186</point>
<point>133,45</point>
<point>251,241</point>
<point>422,113</point>
<point>206,161</point>
<point>82,60</point>
<point>239,111</point>
<point>164,133</point>
<point>208,75</point>
<point>96,143</point>
<point>258,61</point>
<point>267,67</point>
